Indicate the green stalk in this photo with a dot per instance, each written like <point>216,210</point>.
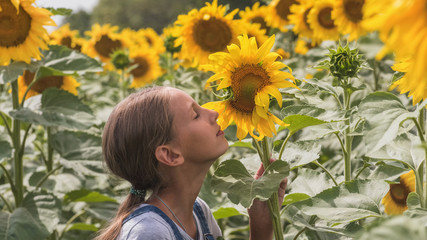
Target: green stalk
<point>273,201</point>
<point>347,138</point>
<point>326,171</point>
<point>17,156</point>
<point>282,148</point>
<point>123,84</point>
<point>49,160</point>
<point>421,120</point>
<point>170,69</point>
<point>419,173</point>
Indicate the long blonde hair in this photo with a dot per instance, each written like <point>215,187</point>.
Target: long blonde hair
<point>136,127</point>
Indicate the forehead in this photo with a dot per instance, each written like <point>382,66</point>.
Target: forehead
<point>180,102</point>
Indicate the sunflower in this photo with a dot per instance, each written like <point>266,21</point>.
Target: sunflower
<point>153,39</point>
<point>148,68</point>
<point>320,20</point>
<point>66,83</point>
<point>348,15</point>
<point>255,30</point>
<point>417,89</point>
<point>298,17</point>
<point>251,75</point>
<point>66,37</point>
<point>402,27</point>
<point>103,41</point>
<point>21,30</point>
<point>279,13</point>
<point>302,46</point>
<point>205,31</point>
<point>256,14</point>
<point>395,200</point>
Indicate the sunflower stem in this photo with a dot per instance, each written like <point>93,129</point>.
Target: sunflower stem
<point>347,137</point>
<point>282,148</point>
<point>29,88</point>
<point>419,173</point>
<point>49,160</point>
<point>326,171</point>
<point>170,69</point>
<point>273,201</point>
<point>18,167</point>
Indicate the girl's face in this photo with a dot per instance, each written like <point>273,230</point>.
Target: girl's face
<point>196,133</point>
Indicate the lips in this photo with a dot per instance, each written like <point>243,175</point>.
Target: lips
<point>220,132</point>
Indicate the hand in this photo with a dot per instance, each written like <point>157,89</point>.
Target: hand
<point>261,226</point>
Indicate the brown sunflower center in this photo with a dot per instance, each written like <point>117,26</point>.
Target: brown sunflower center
<point>246,82</point>
<point>399,193</point>
<point>43,83</point>
<point>283,8</point>
<point>261,21</point>
<point>14,28</point>
<point>66,41</point>
<point>212,35</point>
<point>142,68</point>
<point>105,46</point>
<point>149,41</point>
<point>325,18</point>
<point>353,10</point>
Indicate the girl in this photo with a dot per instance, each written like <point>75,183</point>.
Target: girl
<point>163,143</point>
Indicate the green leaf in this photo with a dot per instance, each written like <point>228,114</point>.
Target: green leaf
<point>346,203</point>
<point>11,72</point>
<point>77,145</point>
<point>44,207</point>
<point>49,72</point>
<point>68,61</point>
<point>103,210</point>
<point>398,228</point>
<point>84,195</point>
<point>298,122</point>
<point>294,197</point>
<point>60,11</point>
<point>5,150</point>
<point>232,178</point>
<point>83,227</point>
<point>301,153</point>
<point>21,224</point>
<point>244,144</point>
<point>58,108</point>
<point>413,200</point>
<point>225,212</point>
<point>384,114</point>
<point>310,182</point>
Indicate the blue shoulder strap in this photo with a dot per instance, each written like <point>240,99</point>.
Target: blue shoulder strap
<point>201,216</point>
<point>151,208</point>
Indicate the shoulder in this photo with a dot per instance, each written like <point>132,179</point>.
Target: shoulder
<point>147,226</point>
<point>210,220</point>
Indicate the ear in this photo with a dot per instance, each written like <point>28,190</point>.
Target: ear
<point>168,156</point>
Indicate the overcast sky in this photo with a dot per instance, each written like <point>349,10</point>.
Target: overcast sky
<point>75,5</point>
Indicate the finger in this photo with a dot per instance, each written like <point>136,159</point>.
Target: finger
<point>282,190</point>
<point>260,172</point>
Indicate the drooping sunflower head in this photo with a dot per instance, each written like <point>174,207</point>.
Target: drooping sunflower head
<point>299,18</point>
<point>104,40</point>
<point>22,34</point>
<point>206,31</point>
<point>348,16</point>
<point>279,13</point>
<point>320,20</point>
<point>66,37</point>
<point>148,68</point>
<point>250,75</point>
<point>256,15</point>
<point>395,200</point>
<point>66,83</point>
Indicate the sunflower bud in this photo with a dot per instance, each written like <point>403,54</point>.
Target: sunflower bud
<point>344,63</point>
<point>120,59</point>
<point>170,44</point>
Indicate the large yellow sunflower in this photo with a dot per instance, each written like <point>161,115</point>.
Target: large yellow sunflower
<point>206,31</point>
<point>348,15</point>
<point>298,17</point>
<point>22,34</point>
<point>279,13</point>
<point>320,20</point>
<point>403,29</point>
<point>395,200</point>
<point>66,37</point>
<point>153,39</point>
<point>67,83</point>
<point>256,14</point>
<point>148,68</point>
<point>104,40</point>
<point>251,74</point>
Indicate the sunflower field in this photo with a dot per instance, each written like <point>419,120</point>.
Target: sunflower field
<point>333,89</point>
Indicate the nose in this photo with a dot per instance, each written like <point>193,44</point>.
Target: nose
<point>214,114</point>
